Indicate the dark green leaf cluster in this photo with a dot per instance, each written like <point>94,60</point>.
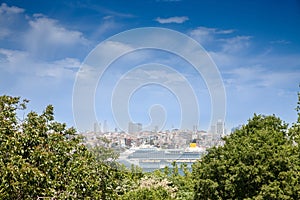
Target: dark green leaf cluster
<point>258,161</point>
<point>40,157</point>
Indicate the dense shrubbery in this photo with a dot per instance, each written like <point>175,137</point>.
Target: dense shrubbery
<point>258,161</point>
<point>40,157</point>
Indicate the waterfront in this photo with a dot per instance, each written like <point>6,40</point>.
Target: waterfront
<point>150,158</point>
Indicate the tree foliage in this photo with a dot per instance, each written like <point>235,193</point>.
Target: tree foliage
<point>164,184</point>
<point>40,157</point>
<point>104,153</point>
<point>151,188</point>
<point>258,161</point>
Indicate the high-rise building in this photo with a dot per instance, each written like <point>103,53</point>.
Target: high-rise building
<point>134,128</point>
<point>105,127</point>
<point>195,128</point>
<point>213,129</point>
<point>97,127</point>
<point>220,128</point>
<point>155,128</point>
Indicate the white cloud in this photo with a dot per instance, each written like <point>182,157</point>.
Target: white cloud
<point>223,45</point>
<point>4,32</point>
<point>205,34</point>
<point>20,62</point>
<point>107,17</point>
<point>209,31</point>
<point>49,30</point>
<point>280,42</point>
<point>228,31</point>
<point>263,75</point>
<point>12,10</point>
<point>9,20</point>
<point>39,15</point>
<point>260,70</point>
<point>236,44</point>
<point>108,24</point>
<point>163,75</point>
<point>177,20</point>
<point>47,38</point>
<point>112,48</point>
<point>13,60</point>
<point>245,71</point>
<point>60,69</point>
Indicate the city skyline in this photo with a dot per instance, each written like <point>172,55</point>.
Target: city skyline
<point>255,46</point>
<point>136,127</point>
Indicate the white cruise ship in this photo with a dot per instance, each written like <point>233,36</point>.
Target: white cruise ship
<point>150,158</point>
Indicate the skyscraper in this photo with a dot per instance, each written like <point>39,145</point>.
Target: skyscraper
<point>220,128</point>
<point>97,127</point>
<point>134,128</point>
<point>105,127</point>
<point>213,129</point>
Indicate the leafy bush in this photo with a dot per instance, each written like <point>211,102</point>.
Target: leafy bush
<point>260,160</point>
<point>40,157</point>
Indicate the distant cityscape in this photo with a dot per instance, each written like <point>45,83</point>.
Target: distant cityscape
<point>166,139</point>
<point>157,148</point>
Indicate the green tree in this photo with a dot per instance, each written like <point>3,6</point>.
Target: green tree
<point>258,161</point>
<point>40,157</point>
<point>183,182</point>
<point>163,184</point>
<point>104,153</point>
<point>151,187</point>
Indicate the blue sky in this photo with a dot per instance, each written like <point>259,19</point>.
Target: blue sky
<point>254,44</point>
